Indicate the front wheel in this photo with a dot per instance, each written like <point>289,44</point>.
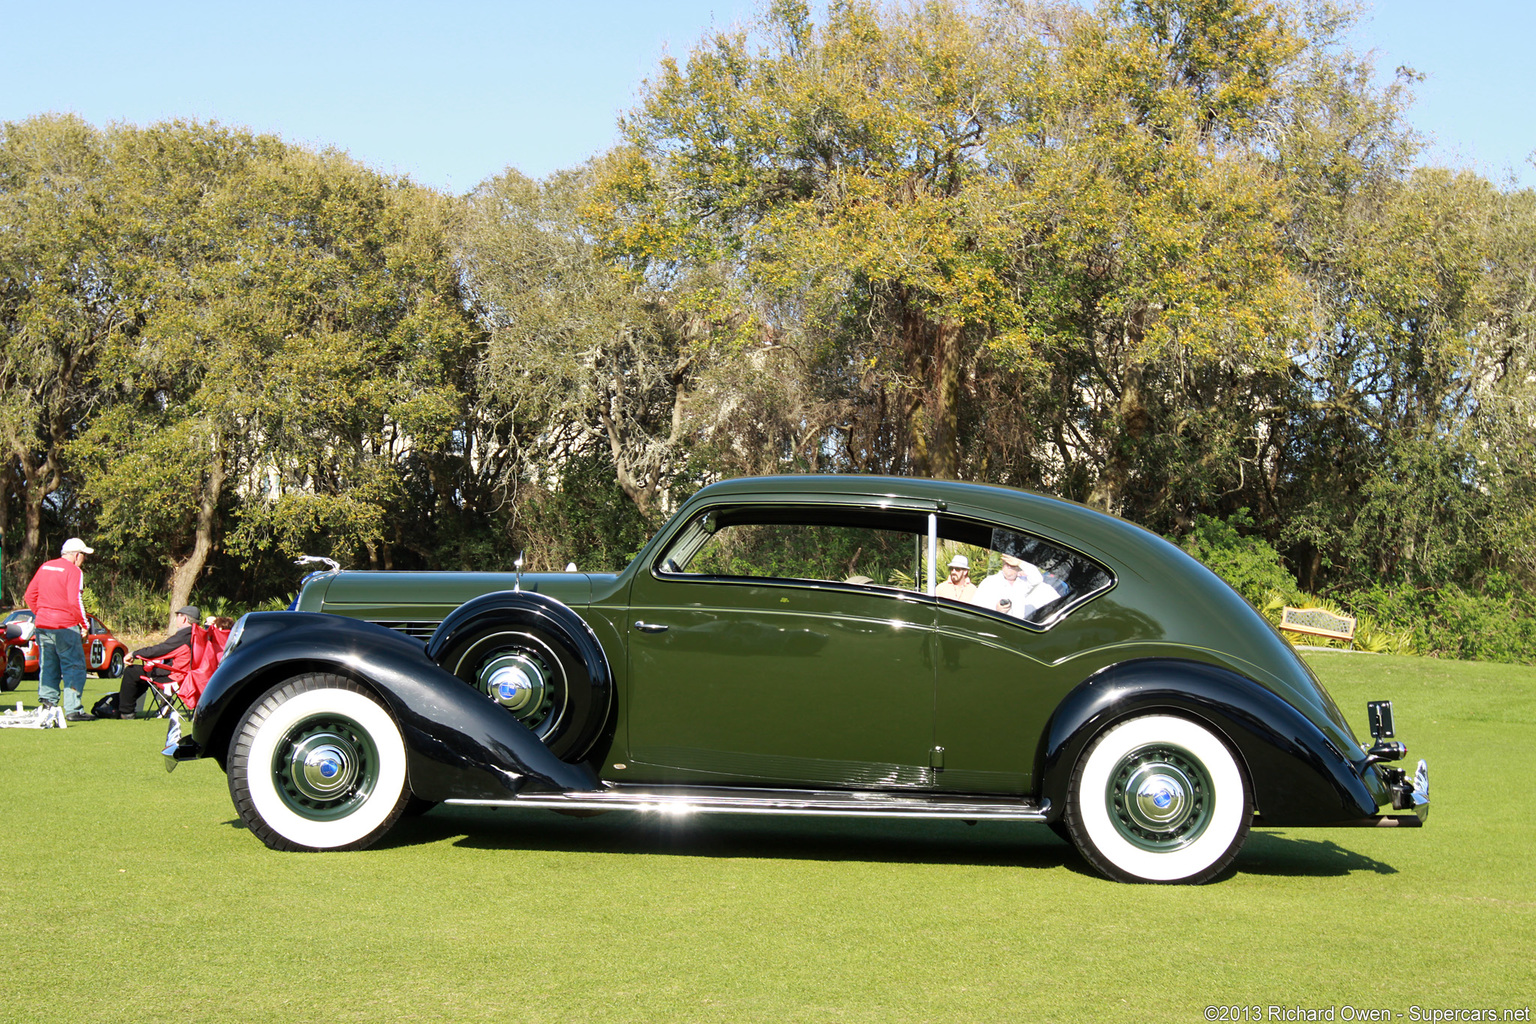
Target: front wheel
<point>1158,799</point>
<point>318,764</point>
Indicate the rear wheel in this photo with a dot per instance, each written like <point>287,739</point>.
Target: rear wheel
<point>318,764</point>
<point>1158,799</point>
<point>114,669</point>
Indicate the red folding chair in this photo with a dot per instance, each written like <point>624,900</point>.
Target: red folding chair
<point>207,652</point>
<point>178,692</point>
<point>189,675</point>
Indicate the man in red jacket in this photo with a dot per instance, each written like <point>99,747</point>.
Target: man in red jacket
<point>54,597</point>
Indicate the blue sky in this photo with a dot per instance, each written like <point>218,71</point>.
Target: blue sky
<point>454,91</point>
<point>1476,101</point>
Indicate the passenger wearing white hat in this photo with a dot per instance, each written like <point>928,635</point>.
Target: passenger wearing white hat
<point>1018,589</point>
<point>959,586</point>
<point>59,612</point>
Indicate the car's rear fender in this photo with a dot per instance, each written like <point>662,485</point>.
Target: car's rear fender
<point>1298,776</point>
<point>458,743</point>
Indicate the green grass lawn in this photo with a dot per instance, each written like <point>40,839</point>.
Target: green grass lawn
<point>131,895</point>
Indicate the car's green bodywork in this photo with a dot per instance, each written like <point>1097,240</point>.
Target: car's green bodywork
<point>826,684</point>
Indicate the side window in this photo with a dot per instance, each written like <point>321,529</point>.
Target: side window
<point>1013,573</point>
<point>856,546</point>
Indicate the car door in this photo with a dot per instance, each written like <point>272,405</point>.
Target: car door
<point>1002,665</point>
<point>94,649</point>
<point>784,645</point>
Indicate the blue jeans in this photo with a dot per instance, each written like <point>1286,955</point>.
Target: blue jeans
<point>61,657</point>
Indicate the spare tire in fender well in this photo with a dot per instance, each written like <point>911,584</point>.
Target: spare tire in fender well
<point>541,642</point>
<point>1297,776</point>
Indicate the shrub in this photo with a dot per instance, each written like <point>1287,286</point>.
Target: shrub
<point>1252,567</point>
<point>127,605</point>
<point>1450,622</point>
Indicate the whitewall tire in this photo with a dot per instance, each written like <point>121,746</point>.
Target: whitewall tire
<point>1159,799</point>
<point>318,764</point>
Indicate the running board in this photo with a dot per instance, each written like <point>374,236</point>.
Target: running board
<point>829,803</point>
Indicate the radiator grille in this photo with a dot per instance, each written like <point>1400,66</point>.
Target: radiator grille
<point>421,629</point>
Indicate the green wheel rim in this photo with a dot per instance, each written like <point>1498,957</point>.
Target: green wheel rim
<point>521,683</point>
<point>1160,797</point>
<point>325,767</point>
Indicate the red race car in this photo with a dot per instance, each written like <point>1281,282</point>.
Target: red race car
<point>104,653</point>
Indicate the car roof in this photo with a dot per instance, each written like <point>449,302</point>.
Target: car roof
<point>1127,542</point>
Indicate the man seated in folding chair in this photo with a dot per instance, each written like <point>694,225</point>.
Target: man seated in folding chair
<point>164,663</point>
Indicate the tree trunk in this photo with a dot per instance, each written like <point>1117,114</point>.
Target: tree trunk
<point>945,461</point>
<point>186,572</point>
<point>38,483</point>
<point>933,356</point>
<point>5,526</point>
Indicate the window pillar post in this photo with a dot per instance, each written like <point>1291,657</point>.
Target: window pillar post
<point>933,552</point>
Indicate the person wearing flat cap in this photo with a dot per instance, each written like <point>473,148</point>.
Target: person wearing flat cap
<point>59,612</point>
<point>959,586</point>
<point>177,646</point>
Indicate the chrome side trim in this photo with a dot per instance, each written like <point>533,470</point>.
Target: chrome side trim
<point>818,803</point>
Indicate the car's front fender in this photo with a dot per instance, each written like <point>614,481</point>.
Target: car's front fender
<point>459,743</point>
<point>1298,775</point>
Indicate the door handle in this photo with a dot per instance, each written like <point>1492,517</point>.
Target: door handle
<point>649,627</point>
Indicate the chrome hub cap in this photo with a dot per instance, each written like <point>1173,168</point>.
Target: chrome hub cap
<point>517,682</point>
<point>325,768</point>
<point>1160,798</point>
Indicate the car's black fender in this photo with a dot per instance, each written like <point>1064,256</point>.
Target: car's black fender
<point>458,743</point>
<point>1297,775</point>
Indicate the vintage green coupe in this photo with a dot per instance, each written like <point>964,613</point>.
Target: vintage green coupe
<point>784,646</point>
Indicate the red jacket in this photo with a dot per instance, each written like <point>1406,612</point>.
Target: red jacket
<point>54,595</point>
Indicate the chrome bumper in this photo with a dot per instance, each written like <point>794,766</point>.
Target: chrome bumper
<point>182,749</point>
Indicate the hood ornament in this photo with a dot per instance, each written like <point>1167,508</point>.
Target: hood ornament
<point>331,565</point>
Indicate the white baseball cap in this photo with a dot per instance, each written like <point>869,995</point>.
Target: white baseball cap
<point>76,544</point>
